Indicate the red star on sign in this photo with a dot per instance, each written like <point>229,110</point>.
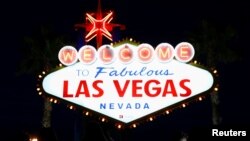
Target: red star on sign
<point>99,26</point>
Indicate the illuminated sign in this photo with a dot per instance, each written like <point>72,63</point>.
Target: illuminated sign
<point>127,82</point>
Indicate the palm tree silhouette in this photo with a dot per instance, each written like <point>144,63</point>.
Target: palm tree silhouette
<point>212,45</point>
<point>40,54</point>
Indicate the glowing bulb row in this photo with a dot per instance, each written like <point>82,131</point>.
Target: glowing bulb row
<point>119,126</point>
<point>145,53</point>
<point>71,107</point>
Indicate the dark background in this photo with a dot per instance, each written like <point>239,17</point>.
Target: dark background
<point>149,21</point>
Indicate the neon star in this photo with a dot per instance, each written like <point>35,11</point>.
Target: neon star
<point>98,26</point>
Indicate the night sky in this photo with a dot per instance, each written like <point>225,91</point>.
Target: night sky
<point>146,21</point>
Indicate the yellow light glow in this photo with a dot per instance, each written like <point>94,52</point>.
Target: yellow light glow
<point>183,105</point>
<point>151,119</point>
<point>200,98</point>
<point>43,72</point>
<point>216,89</point>
<point>87,113</point>
<point>38,89</point>
<point>40,76</point>
<point>33,139</point>
<point>51,100</point>
<point>130,39</point>
<point>60,65</point>
<point>55,101</point>
<point>167,112</point>
<point>195,61</point>
<point>134,125</point>
<point>40,93</point>
<point>215,71</point>
<point>103,119</point>
<point>71,107</point>
<point>119,126</point>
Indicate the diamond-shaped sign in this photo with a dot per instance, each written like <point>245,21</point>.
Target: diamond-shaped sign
<point>127,91</point>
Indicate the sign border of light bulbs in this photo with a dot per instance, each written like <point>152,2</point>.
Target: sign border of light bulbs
<point>127,82</point>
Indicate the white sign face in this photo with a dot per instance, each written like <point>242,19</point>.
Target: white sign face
<point>128,82</point>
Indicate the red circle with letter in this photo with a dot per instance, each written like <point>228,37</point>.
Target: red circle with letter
<point>184,52</point>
